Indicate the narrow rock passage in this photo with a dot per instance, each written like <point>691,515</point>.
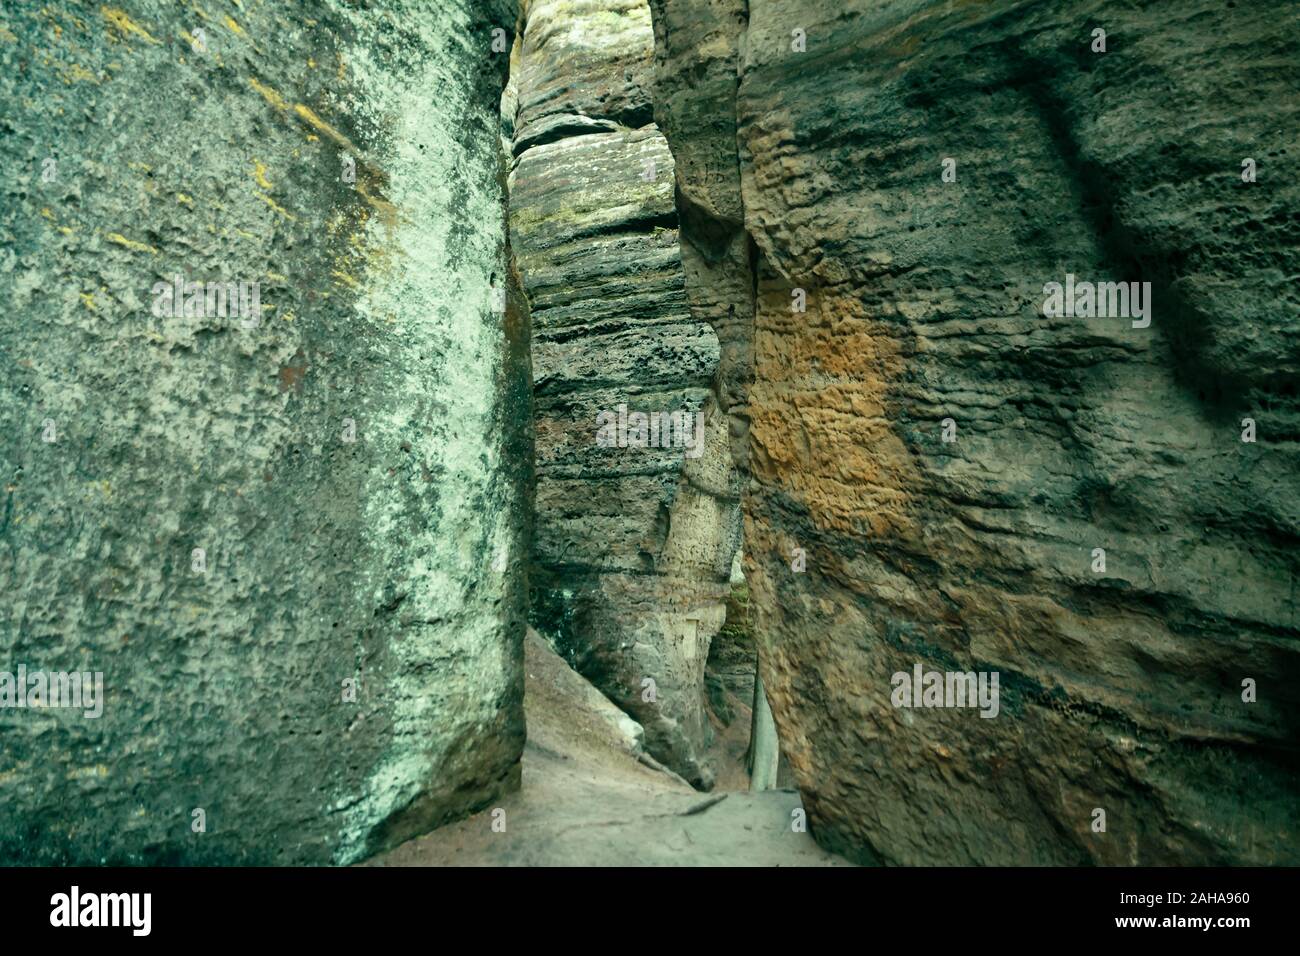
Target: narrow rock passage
<point>587,800</point>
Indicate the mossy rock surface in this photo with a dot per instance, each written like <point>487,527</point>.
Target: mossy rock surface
<point>349,466</point>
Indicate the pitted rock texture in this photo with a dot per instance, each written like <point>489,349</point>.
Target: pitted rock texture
<point>392,560</point>
<point>1122,690</point>
<point>634,544</point>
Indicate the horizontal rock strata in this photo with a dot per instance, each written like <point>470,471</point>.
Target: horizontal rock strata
<point>634,544</point>
<point>935,463</point>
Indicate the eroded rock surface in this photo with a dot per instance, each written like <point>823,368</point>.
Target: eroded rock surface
<point>229,522</point>
<point>634,544</point>
<point>1119,690</point>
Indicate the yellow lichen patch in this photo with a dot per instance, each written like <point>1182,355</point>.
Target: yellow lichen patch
<point>344,278</point>
<point>311,62</point>
<point>270,95</point>
<point>131,244</point>
<point>234,27</point>
<point>78,74</point>
<point>45,211</point>
<point>307,114</point>
<point>259,174</point>
<point>125,25</point>
<point>81,773</point>
<point>52,14</point>
<point>140,167</point>
<point>8,35</point>
<point>335,223</point>
<point>275,276</point>
<point>88,300</point>
<point>278,208</point>
<point>66,231</point>
<point>184,200</point>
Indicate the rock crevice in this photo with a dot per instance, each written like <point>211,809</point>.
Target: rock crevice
<point>634,544</point>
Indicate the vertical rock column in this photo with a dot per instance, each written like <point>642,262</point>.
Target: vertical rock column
<point>942,476</point>
<point>634,544</point>
<point>289,535</point>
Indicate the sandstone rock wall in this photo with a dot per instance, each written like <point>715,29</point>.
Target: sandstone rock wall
<point>230,519</point>
<point>812,139</point>
<point>634,544</point>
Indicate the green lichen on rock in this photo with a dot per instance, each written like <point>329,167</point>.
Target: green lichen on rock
<point>347,160</point>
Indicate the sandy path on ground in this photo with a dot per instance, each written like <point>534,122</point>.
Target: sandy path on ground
<point>587,801</point>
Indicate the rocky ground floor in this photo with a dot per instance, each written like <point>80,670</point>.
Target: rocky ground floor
<point>591,798</point>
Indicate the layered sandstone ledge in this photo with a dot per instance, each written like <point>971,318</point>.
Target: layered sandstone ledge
<point>635,537</point>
